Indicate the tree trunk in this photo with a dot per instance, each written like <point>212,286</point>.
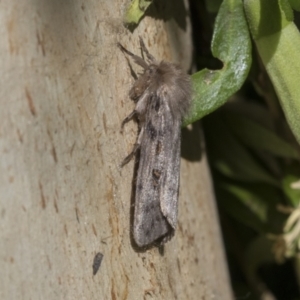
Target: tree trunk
<point>63,196</point>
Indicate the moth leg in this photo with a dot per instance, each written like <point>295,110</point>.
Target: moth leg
<point>145,50</point>
<point>140,109</point>
<point>134,150</point>
<point>138,60</point>
<point>128,118</point>
<point>128,158</point>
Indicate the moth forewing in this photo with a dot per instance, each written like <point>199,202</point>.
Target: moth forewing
<point>170,191</point>
<point>157,183</point>
<point>162,94</point>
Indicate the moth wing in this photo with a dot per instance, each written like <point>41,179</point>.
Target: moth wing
<point>171,176</point>
<point>155,214</point>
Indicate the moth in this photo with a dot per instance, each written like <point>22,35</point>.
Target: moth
<point>162,94</point>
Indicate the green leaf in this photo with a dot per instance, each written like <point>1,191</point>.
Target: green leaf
<point>257,253</point>
<point>229,156</point>
<point>295,4</point>
<point>231,44</point>
<point>254,205</point>
<point>135,11</point>
<point>266,17</point>
<point>258,137</point>
<point>212,6</point>
<point>291,184</point>
<point>278,42</point>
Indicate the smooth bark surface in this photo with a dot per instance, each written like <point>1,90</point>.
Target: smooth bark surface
<point>63,196</point>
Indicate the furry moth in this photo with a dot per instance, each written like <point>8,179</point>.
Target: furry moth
<point>163,96</point>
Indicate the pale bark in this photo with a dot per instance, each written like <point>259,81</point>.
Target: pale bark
<point>63,197</point>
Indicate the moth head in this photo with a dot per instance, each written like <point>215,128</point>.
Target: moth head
<point>143,82</point>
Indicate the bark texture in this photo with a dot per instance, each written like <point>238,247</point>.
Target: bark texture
<point>63,197</point>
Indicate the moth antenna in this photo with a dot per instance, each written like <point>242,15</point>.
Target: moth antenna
<point>138,60</point>
<point>145,50</point>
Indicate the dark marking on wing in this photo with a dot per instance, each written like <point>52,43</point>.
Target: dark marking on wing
<point>151,130</point>
<point>157,104</point>
<point>150,207</point>
<point>147,232</point>
<point>157,219</point>
<point>156,175</point>
<point>139,187</point>
<point>158,148</point>
<point>152,223</point>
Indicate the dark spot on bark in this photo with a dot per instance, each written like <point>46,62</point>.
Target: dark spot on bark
<point>97,262</point>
